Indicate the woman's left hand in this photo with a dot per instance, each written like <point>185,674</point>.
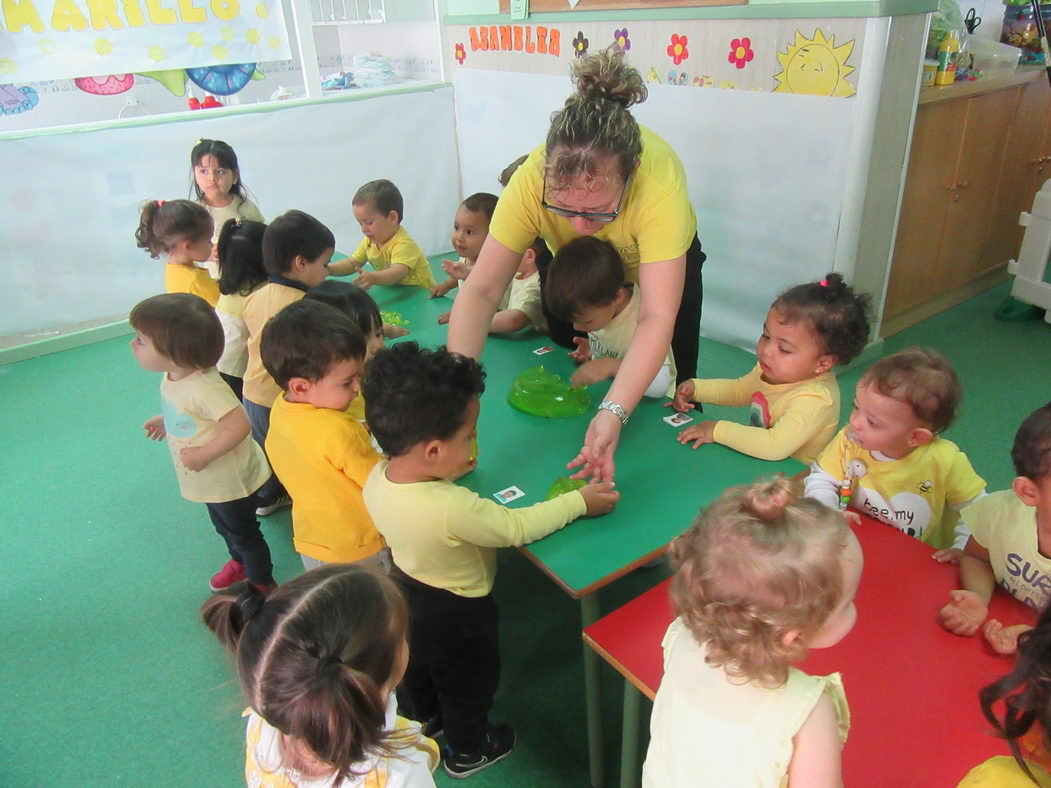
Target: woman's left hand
<point>595,459</point>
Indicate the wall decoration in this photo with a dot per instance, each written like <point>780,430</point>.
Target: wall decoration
<point>516,38</point>
<point>621,41</point>
<point>222,80</point>
<point>460,53</point>
<point>741,53</point>
<point>677,50</point>
<point>15,101</point>
<point>815,66</point>
<point>105,86</point>
<point>541,6</point>
<point>580,45</point>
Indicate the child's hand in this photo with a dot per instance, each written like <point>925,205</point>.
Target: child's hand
<point>698,433</point>
<point>683,399</point>
<point>1004,640</point>
<point>594,372</point>
<point>443,287</point>
<point>443,318</point>
<point>583,350</point>
<point>853,518</point>
<point>599,498</point>
<point>390,331</point>
<point>155,428</point>
<point>364,280</point>
<point>195,458</point>
<point>950,555</point>
<point>456,269</point>
<point>964,614</point>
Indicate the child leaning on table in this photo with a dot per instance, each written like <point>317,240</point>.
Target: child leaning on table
<point>1010,541</point>
<point>792,391</point>
<point>422,406</point>
<point>470,229</point>
<point>891,462</point>
<point>762,576</point>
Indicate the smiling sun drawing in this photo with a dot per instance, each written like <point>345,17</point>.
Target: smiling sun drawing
<point>816,67</point>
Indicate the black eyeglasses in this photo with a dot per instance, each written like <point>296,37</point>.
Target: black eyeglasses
<point>604,218</point>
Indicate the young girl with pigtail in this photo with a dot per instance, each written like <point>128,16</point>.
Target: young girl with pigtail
<point>182,230</point>
<point>241,273</point>
<point>792,391</point>
<point>318,660</point>
<point>762,576</point>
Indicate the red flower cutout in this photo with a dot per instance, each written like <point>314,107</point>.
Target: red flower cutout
<point>677,50</point>
<point>460,54</point>
<point>740,52</point>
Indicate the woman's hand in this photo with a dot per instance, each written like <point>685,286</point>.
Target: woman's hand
<point>595,459</point>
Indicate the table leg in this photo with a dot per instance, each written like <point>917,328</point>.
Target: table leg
<point>593,693</point>
<point>629,742</point>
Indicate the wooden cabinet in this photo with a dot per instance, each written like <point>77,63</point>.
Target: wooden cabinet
<point>975,164</point>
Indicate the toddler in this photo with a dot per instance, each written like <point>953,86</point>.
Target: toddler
<point>241,273</point>
<point>891,462</point>
<point>470,229</point>
<point>396,258</point>
<point>422,406</point>
<point>792,391</point>
<point>1010,540</point>
<point>761,578</point>
<point>296,251</point>
<point>318,660</point>
<point>216,460</point>
<point>182,230</point>
<point>320,452</point>
<point>585,286</point>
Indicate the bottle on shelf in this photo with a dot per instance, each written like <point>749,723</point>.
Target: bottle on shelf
<point>948,51</point>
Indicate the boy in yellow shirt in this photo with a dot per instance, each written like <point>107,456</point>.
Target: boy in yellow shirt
<point>422,406</point>
<point>1010,542</point>
<point>321,453</point>
<point>396,258</point>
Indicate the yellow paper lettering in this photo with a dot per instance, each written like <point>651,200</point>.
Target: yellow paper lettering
<point>518,38</point>
<point>188,12</point>
<point>226,9</point>
<point>554,43</point>
<point>159,15</point>
<point>66,16</point>
<point>18,14</point>
<point>104,14</point>
<point>133,13</point>
<point>541,40</point>
<point>505,36</point>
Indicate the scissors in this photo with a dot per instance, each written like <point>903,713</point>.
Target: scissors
<point>971,21</point>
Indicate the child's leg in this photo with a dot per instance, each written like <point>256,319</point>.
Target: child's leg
<point>236,384</point>
<point>259,418</point>
<point>685,340</point>
<point>236,522</point>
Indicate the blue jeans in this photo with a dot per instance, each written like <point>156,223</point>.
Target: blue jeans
<point>259,418</point>
<point>236,522</point>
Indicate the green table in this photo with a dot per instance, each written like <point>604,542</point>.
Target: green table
<point>410,301</point>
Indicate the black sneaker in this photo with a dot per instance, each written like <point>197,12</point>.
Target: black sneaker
<point>499,741</point>
<point>433,728</point>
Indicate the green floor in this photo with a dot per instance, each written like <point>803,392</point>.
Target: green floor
<point>108,678</point>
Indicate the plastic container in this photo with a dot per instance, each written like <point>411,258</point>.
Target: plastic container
<point>930,68</point>
<point>1019,29</point>
<point>989,56</point>
<point>947,52</point>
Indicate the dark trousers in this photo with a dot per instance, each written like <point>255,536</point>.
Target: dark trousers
<point>259,419</point>
<point>685,340</point>
<point>236,384</point>
<point>236,522</point>
<point>454,661</point>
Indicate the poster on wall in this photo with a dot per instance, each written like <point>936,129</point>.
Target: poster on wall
<point>612,5</point>
<point>61,39</point>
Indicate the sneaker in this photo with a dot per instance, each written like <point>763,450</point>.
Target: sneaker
<point>232,572</point>
<point>499,741</point>
<point>433,728</point>
<point>274,506</point>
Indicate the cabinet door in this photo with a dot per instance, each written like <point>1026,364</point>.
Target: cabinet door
<point>1022,172</point>
<point>972,205</point>
<point>936,144</point>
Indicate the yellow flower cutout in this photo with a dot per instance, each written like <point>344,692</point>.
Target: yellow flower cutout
<point>103,46</point>
<point>156,53</point>
<point>220,53</point>
<point>47,46</point>
<point>262,10</point>
<point>226,33</point>
<point>195,40</point>
<point>252,36</point>
<point>7,66</point>
<point>274,42</point>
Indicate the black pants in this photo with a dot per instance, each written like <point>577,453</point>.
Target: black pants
<point>685,340</point>
<point>236,522</point>
<point>236,385</point>
<point>454,661</point>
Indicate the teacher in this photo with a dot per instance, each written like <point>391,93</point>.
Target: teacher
<point>599,173</point>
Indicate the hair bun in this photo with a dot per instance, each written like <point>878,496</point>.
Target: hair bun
<point>834,286</point>
<point>605,75</point>
<point>767,499</point>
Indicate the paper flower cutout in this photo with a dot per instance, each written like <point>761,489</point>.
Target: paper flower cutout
<point>460,53</point>
<point>580,44</point>
<point>677,50</point>
<point>741,52</point>
<point>621,41</point>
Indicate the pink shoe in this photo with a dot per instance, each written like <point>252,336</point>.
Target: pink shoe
<point>232,572</point>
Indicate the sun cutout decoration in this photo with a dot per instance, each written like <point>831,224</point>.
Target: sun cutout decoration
<point>816,67</point>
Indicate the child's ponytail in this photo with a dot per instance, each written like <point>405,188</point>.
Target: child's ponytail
<point>228,612</point>
<point>768,498</point>
<point>163,222</point>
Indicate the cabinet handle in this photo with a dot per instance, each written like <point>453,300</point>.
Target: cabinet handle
<point>956,198</point>
<point>951,188</point>
<point>963,185</point>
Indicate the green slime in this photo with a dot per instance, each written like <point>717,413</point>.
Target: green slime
<point>541,393</point>
<point>394,318</point>
<point>562,485</point>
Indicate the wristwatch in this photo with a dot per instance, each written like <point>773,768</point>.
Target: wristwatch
<point>616,409</point>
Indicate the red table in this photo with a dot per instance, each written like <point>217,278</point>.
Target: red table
<point>912,686</point>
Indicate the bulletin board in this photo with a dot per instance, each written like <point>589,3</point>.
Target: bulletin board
<point>540,6</point>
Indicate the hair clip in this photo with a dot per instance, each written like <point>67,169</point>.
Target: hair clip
<point>249,602</point>
<point>160,203</point>
<point>823,283</point>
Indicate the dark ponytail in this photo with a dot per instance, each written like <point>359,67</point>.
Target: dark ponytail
<point>838,315</point>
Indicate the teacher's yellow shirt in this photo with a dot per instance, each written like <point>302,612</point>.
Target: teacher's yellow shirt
<point>656,221</point>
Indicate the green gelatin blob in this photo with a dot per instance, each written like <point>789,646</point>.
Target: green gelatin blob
<point>562,485</point>
<point>394,318</point>
<point>541,393</point>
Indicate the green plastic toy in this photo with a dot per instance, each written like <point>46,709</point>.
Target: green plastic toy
<point>541,393</point>
<point>562,485</point>
<point>394,318</point>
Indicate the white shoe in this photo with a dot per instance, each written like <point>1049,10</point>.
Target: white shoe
<point>280,503</point>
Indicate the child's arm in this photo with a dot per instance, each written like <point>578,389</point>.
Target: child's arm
<point>822,486</point>
<point>154,428</point>
<point>388,276</point>
<point>442,288</point>
<point>961,533</point>
<point>1004,640</point>
<point>594,371</point>
<point>391,331</point>
<point>816,749</point>
<point>233,428</point>
<point>507,321</point>
<point>352,264</point>
<point>969,604</point>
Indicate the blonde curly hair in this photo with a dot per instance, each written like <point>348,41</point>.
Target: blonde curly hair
<point>595,124</point>
<point>757,564</point>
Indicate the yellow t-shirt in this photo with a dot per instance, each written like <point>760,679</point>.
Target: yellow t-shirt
<point>1002,771</point>
<point>399,249</point>
<point>192,408</point>
<point>191,279</point>
<point>523,294</point>
<point>786,419</point>
<point>708,730</point>
<point>1007,528</point>
<point>656,221</point>
<point>914,494</point>
<point>259,307</point>
<point>446,536</point>
<point>323,458</point>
